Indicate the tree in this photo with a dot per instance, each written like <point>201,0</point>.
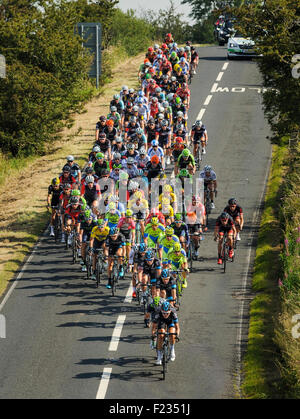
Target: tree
<point>203,8</point>
<point>274,26</point>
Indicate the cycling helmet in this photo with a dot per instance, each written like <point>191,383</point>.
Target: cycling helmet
<point>140,131</point>
<point>232,201</point>
<point>124,88</point>
<point>131,91</point>
<point>160,116</point>
<point>87,214</point>
<point>102,135</point>
<point>173,54</point>
<point>130,146</point>
<point>113,109</point>
<point>90,179</point>
<point>130,160</point>
<point>70,158</point>
<point>155,159</point>
<point>100,222</point>
<point>67,186</point>
<point>133,186</point>
<point>187,48</point>
<point>96,149</point>
<point>113,231</point>
<point>117,156</point>
<point>177,247</point>
<point>164,123</point>
<point>129,213</point>
<point>135,108</point>
<point>133,119</point>
<point>75,192</point>
<point>116,97</point>
<point>165,273</point>
<point>112,206</point>
<point>151,49</point>
<point>67,169</point>
<point>154,143</point>
<point>140,172</point>
<point>180,115</point>
<point>99,156</point>
<point>198,123</point>
<point>142,248</point>
<point>186,152</point>
<point>169,231</point>
<point>208,168</point>
<point>224,216</point>
<point>55,181</point>
<point>149,255</point>
<point>178,140</point>
<point>158,90</point>
<point>119,140</point>
<point>155,221</point>
<point>124,176</point>
<point>166,306</point>
<point>102,118</point>
<point>178,100</point>
<point>143,151</point>
<point>74,200</point>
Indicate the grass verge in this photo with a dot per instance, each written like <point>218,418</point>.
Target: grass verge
<point>261,373</point>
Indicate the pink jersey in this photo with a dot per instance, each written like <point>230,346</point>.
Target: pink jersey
<point>124,224</point>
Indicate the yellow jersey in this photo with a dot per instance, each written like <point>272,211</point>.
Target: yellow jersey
<point>167,210</point>
<point>100,235</point>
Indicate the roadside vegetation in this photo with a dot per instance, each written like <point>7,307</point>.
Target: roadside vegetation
<point>272,363</point>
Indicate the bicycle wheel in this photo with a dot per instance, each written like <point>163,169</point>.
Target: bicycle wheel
<point>114,280</point>
<point>98,273</point>
<point>224,255</point>
<point>190,256</point>
<point>56,228</point>
<point>74,249</point>
<point>88,263</point>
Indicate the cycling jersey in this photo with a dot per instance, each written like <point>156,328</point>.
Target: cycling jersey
<point>154,235</point>
<point>90,194</point>
<point>183,163</point>
<point>176,260</point>
<point>112,218</point>
<point>181,231</point>
<point>160,217</point>
<point>238,211</point>
<point>166,322</point>
<point>168,287</point>
<point>115,245</point>
<point>166,244</point>
<point>166,210</point>
<point>100,235</point>
<point>211,177</point>
<point>87,229</point>
<point>73,213</point>
<point>126,225</point>
<point>153,270</point>
<point>198,134</point>
<point>163,136</point>
<point>141,208</point>
<point>56,193</point>
<point>225,228</point>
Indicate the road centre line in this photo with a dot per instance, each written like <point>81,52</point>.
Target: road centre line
<point>208,99</point>
<point>101,393</point>
<point>214,88</point>
<point>219,78</point>
<point>201,113</point>
<point>113,347</point>
<point>225,66</point>
<point>128,298</point>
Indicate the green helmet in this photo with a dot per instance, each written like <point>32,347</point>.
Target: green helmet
<point>100,222</point>
<point>173,55</point>
<point>177,247</point>
<point>169,231</point>
<point>129,213</point>
<point>99,156</point>
<point>178,217</point>
<point>75,192</point>
<point>178,100</point>
<point>87,214</point>
<point>124,176</point>
<point>186,152</point>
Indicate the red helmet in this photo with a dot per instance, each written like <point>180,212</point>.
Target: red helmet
<point>164,46</point>
<point>179,140</point>
<point>155,159</point>
<point>150,49</point>
<point>169,35</point>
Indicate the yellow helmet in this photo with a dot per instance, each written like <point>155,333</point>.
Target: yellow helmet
<point>138,195</point>
<point>56,181</point>
<point>155,221</point>
<point>168,188</point>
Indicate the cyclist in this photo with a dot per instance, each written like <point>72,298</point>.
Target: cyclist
<point>185,161</point>
<point>101,124</point>
<point>166,286</point>
<point>67,177</point>
<point>115,244</point>
<point>236,212</point>
<point>153,169</point>
<point>113,216</point>
<point>104,143</point>
<point>166,242</point>
<point>199,136</point>
<point>151,272</point>
<point>153,308</point>
<point>126,226</point>
<point>178,261</point>
<point>99,235</point>
<point>75,169</point>
<point>70,218</point>
<point>168,193</point>
<point>165,321</point>
<point>153,232</point>
<point>210,183</point>
<point>164,136</point>
<point>156,213</point>
<point>225,224</point>
<point>100,165</point>
<point>91,191</point>
<point>167,210</point>
<point>140,209</point>
<point>181,231</point>
<point>86,227</point>
<point>196,218</point>
<point>184,93</point>
<point>54,192</point>
<point>138,260</point>
<point>156,150</point>
<point>194,60</point>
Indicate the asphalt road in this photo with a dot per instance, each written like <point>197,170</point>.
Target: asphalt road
<point>59,327</point>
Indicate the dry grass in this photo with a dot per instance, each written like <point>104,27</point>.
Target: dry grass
<point>23,209</point>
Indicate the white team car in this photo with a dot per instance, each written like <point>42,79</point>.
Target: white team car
<point>240,47</point>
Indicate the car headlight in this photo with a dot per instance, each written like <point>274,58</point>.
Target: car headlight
<point>233,45</point>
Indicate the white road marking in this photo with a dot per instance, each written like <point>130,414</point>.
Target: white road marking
<point>214,88</point>
<point>117,334</point>
<point>208,99</point>
<point>201,113</point>
<point>128,298</point>
<point>219,78</point>
<point>225,66</point>
<point>104,384</point>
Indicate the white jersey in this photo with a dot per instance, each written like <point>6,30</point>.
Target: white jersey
<point>211,177</point>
